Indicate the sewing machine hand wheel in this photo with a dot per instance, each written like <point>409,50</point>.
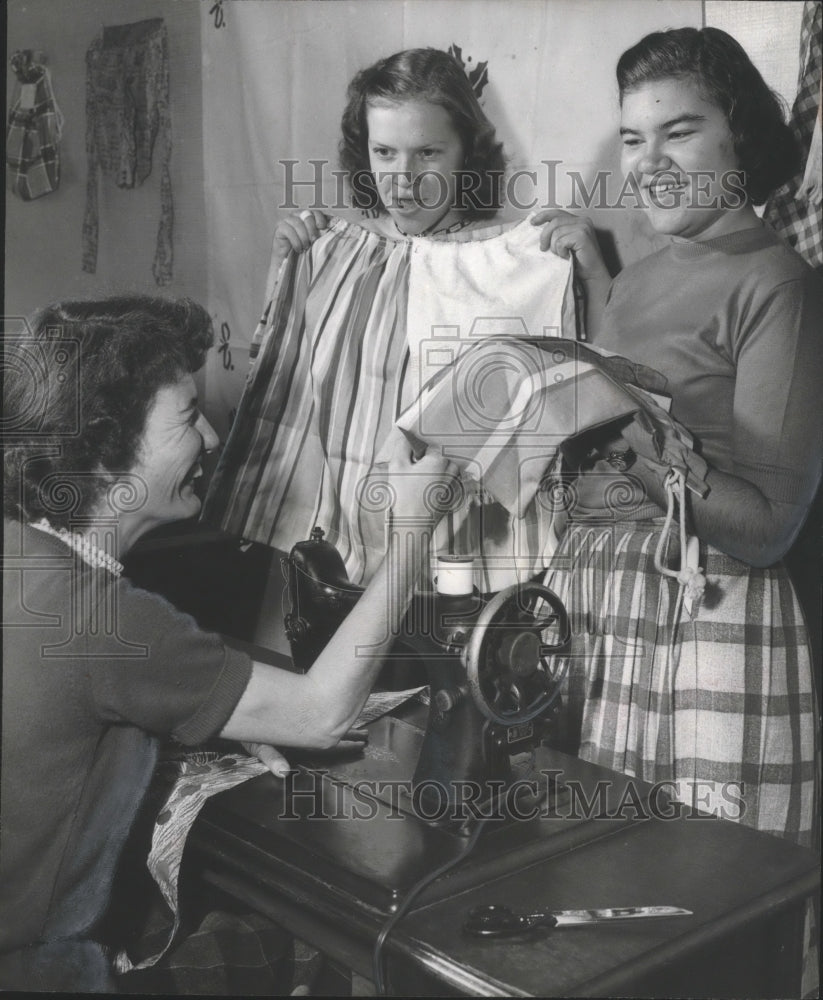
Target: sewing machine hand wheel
<point>509,658</point>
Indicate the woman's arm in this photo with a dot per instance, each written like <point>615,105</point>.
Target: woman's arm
<point>756,506</point>
<point>317,708</point>
<point>735,516</point>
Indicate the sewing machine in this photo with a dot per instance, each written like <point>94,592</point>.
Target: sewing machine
<point>327,854</point>
<point>491,663</point>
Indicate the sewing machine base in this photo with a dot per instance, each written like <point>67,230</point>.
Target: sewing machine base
<point>491,666</point>
<point>385,846</point>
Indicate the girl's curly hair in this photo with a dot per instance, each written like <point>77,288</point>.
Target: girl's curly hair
<point>764,143</point>
<point>77,388</point>
<point>425,75</point>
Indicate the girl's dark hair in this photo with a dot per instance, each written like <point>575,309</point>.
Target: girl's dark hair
<point>764,143</point>
<point>424,75</point>
<point>78,384</point>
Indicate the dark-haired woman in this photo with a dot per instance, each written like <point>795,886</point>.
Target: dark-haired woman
<point>716,698</point>
<point>104,441</point>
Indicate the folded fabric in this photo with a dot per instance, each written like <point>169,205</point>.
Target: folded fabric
<point>196,777</point>
<point>668,443</point>
<point>505,406</point>
<point>354,327</point>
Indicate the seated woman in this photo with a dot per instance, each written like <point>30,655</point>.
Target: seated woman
<point>105,440</point>
<point>354,328</point>
<point>715,699</point>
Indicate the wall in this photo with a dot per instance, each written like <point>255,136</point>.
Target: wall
<point>275,88</point>
<point>769,32</point>
<point>43,247</point>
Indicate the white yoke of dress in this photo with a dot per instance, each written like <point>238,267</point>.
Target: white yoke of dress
<point>355,326</point>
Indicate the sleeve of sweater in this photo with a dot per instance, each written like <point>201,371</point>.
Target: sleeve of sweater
<point>778,398</point>
<point>185,683</point>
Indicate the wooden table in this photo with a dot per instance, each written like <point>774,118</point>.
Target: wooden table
<point>335,880</point>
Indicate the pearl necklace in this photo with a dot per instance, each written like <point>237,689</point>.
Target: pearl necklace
<point>90,553</point>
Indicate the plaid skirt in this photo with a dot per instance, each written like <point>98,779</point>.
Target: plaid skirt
<point>720,707</point>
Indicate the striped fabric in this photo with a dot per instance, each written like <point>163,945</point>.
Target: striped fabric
<point>333,373</point>
<point>723,706</point>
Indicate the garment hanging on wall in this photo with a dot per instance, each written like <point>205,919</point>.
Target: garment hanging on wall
<point>795,210</point>
<point>334,370</point>
<point>34,133</point>
<point>127,115</point>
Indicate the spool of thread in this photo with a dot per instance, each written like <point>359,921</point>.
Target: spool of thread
<point>454,575</point>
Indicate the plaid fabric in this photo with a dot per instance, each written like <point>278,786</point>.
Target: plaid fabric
<point>33,141</point>
<point>721,706</point>
<point>226,954</point>
<point>725,700</point>
<point>798,220</point>
<point>333,373</point>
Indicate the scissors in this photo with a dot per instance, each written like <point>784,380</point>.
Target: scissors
<point>497,920</point>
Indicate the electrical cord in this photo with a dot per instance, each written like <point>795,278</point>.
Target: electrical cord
<point>417,888</point>
<point>408,899</point>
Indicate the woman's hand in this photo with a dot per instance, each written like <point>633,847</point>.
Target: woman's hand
<point>297,232</point>
<point>423,485</point>
<point>564,233</point>
<point>354,740</point>
<point>273,759</point>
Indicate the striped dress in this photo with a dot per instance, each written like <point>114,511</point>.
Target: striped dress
<point>334,370</point>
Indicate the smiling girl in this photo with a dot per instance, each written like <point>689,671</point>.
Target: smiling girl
<point>722,698</point>
<point>718,703</point>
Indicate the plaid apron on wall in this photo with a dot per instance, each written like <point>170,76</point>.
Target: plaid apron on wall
<point>33,137</point>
